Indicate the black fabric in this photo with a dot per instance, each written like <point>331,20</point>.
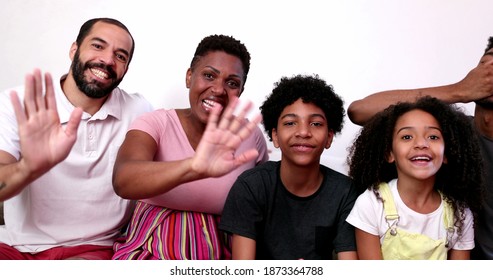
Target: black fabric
<point>286,226</point>
<point>484,229</point>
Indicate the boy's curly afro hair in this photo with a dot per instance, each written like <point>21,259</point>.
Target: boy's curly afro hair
<point>311,89</point>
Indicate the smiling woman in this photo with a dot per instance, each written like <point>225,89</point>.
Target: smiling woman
<point>180,163</point>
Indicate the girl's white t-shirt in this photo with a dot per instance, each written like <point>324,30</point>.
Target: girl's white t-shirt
<point>368,215</point>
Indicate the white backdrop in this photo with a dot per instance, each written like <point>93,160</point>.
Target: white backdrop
<point>358,46</point>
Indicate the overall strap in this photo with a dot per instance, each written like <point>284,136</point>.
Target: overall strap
<point>448,221</point>
<point>391,215</point>
<point>448,213</point>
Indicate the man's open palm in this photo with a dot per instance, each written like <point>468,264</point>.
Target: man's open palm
<point>43,140</point>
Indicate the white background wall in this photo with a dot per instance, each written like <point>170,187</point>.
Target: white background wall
<point>358,46</point>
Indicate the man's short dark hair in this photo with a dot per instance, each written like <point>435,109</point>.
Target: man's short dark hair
<point>87,26</point>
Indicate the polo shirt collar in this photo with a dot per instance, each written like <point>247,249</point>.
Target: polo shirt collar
<point>111,106</point>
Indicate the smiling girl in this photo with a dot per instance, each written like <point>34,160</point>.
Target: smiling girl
<point>418,168</point>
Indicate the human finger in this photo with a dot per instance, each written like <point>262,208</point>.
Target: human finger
<point>73,122</point>
<point>249,127</point>
<point>214,116</point>
<point>245,157</point>
<point>234,139</point>
<point>50,92</point>
<point>227,116</point>
<point>38,90</point>
<point>20,114</point>
<point>29,99</point>
<point>238,121</point>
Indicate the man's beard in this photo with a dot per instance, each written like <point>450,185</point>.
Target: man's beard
<point>92,89</point>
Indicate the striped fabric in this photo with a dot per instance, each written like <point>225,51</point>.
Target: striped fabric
<point>161,233</point>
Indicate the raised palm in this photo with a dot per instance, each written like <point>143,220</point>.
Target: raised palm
<point>216,152</point>
<point>44,142</point>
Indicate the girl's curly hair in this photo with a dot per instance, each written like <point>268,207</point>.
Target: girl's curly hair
<point>460,180</point>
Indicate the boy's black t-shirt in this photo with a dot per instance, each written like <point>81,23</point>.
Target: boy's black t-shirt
<point>286,226</point>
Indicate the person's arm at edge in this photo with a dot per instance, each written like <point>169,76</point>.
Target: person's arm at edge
<point>477,84</point>
<point>243,248</point>
<point>362,110</point>
<point>459,254</point>
<point>368,245</point>
<point>348,255</point>
<point>14,177</point>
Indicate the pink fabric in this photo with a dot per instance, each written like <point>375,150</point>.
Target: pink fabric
<point>158,233</point>
<point>207,195</point>
<point>182,223</point>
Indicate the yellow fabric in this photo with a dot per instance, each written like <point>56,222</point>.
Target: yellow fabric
<point>399,244</point>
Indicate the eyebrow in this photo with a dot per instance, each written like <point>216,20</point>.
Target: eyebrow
<point>293,115</point>
<point>412,127</point>
<point>217,71</point>
<point>101,40</point>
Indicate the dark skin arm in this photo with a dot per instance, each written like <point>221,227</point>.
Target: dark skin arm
<point>459,254</point>
<point>137,176</point>
<point>368,245</point>
<point>477,84</point>
<point>243,248</point>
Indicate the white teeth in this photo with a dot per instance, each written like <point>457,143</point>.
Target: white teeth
<point>100,74</point>
<point>209,103</point>
<point>420,158</point>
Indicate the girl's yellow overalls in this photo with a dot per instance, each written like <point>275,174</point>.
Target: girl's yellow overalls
<point>399,244</point>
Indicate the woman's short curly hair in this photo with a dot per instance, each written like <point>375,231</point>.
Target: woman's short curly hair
<point>227,44</point>
<point>311,89</point>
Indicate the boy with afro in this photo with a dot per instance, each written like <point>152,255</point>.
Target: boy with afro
<point>295,208</point>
